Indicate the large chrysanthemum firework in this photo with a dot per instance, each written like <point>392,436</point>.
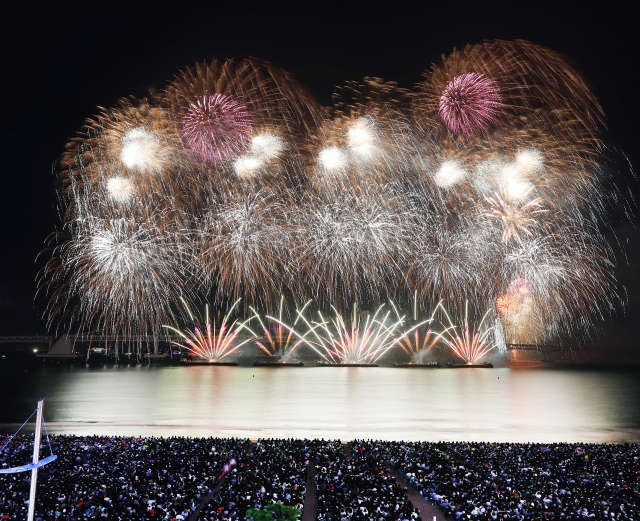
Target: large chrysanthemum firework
<point>470,103</point>
<point>121,276</point>
<point>349,244</point>
<point>217,127</point>
<point>244,244</point>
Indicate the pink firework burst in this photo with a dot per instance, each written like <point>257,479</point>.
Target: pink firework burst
<point>217,126</point>
<point>470,103</point>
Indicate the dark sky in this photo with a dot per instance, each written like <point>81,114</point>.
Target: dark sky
<point>62,59</point>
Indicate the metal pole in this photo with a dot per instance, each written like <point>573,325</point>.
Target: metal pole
<point>36,459</point>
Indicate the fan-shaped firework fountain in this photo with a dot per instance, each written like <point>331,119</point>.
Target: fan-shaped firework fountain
<point>212,341</point>
<point>469,339</point>
<point>280,340</point>
<point>489,172</point>
<point>359,339</point>
<point>420,337</point>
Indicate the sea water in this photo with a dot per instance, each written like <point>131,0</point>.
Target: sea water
<point>508,405</point>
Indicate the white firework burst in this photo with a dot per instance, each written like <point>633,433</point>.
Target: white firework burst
<point>514,183</point>
<point>530,160</point>
<point>247,166</point>
<point>361,138</point>
<point>332,158</point>
<point>449,174</point>
<point>120,189</point>
<point>267,146</point>
<point>141,150</point>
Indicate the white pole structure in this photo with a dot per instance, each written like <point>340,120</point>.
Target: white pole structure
<point>36,459</point>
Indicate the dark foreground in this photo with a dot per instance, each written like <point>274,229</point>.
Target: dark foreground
<point>118,478</point>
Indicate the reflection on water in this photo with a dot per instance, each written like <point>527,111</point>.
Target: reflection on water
<point>346,403</point>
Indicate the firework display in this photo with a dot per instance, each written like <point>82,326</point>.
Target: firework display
<point>212,341</point>
<point>419,338</point>
<point>467,339</point>
<point>485,184</point>
<point>280,341</point>
<point>361,338</point>
<point>469,103</point>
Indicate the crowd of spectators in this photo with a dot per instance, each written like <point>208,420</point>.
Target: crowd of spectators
<point>500,481</point>
<point>147,479</point>
<point>115,478</point>
<point>359,487</point>
<point>274,471</point>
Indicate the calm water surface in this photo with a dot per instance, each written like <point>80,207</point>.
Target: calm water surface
<point>383,403</point>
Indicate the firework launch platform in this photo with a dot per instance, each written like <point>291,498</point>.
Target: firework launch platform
<point>485,365</point>
<point>433,365</point>
<point>328,364</point>
<point>259,363</point>
<point>206,362</point>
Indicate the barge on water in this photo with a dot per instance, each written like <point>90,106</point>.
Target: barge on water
<point>260,363</point>
<point>429,365</point>
<point>484,365</point>
<point>187,361</point>
<point>329,364</point>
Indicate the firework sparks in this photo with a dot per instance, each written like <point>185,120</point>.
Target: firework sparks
<point>332,158</point>
<point>519,219</point>
<point>507,305</point>
<point>141,150</point>
<point>519,288</point>
<point>109,267</point>
<point>468,340</point>
<point>247,166</point>
<point>470,103</point>
<point>514,183</point>
<point>233,175</point>
<point>281,340</point>
<point>487,175</point>
<point>420,337</point>
<point>449,174</point>
<point>361,339</point>
<point>348,245</point>
<point>212,342</point>
<point>530,160</point>
<point>120,189</point>
<point>267,146</point>
<point>217,127</point>
<point>361,138</point>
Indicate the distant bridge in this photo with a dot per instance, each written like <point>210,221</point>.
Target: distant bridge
<point>122,339</point>
<point>36,338</point>
<point>65,345</point>
<point>26,339</point>
<point>544,349</point>
<point>541,348</point>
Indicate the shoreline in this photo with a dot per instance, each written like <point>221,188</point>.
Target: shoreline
<point>195,431</point>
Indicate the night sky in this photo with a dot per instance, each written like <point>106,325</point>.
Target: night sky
<point>62,59</point>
